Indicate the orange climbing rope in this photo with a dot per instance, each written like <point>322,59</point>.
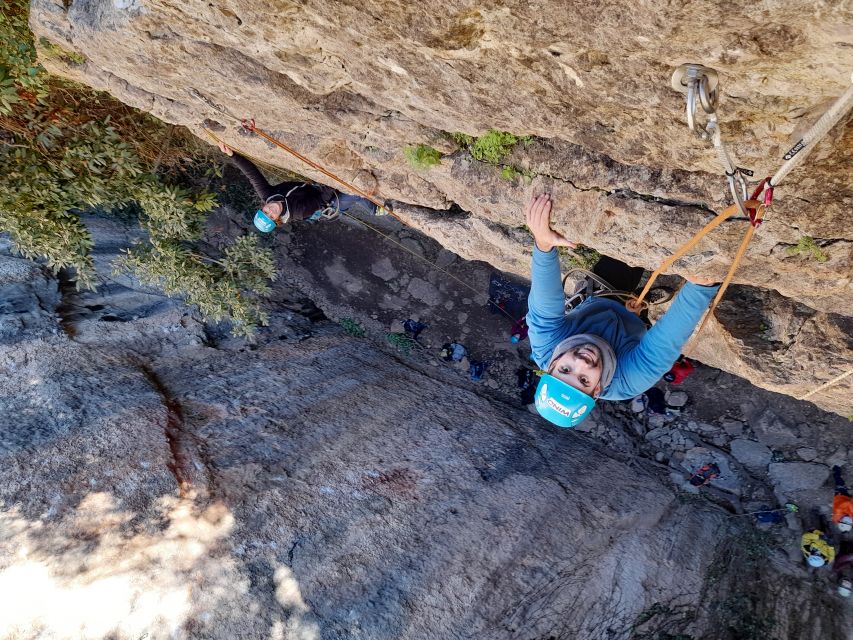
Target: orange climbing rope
<point>249,125</point>
<point>752,205</point>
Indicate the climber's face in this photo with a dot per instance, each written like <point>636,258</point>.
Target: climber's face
<point>580,367</point>
<point>273,210</point>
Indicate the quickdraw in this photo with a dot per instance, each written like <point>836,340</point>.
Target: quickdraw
<point>701,82</point>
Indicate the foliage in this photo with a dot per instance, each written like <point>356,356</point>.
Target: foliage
<point>422,156</point>
<point>48,49</point>
<point>22,78</point>
<point>510,173</point>
<point>581,256</point>
<point>215,286</point>
<point>64,148</point>
<point>807,247</point>
<point>352,327</point>
<point>402,342</point>
<point>495,145</point>
<point>463,140</point>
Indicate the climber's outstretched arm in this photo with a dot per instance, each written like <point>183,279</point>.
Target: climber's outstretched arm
<point>546,315</point>
<point>644,365</point>
<point>259,182</point>
<point>262,187</point>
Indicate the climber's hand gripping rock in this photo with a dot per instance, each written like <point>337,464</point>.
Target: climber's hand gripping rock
<point>537,213</point>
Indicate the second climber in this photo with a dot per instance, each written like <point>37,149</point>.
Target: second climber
<point>292,200</point>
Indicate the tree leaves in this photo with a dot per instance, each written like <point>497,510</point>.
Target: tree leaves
<point>59,154</point>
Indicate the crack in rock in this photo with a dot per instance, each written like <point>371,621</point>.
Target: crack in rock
<point>180,464</point>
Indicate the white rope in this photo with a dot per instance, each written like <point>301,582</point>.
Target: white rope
<point>826,384</point>
<point>808,142</point>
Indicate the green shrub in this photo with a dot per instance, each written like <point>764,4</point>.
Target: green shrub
<point>352,327</point>
<point>495,145</point>
<point>807,247</point>
<point>463,140</point>
<point>581,256</point>
<point>48,49</point>
<point>216,286</point>
<point>22,78</point>
<point>510,173</point>
<point>402,342</point>
<point>64,148</point>
<point>422,156</point>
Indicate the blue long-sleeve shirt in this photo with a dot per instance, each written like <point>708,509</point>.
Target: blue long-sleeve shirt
<point>642,355</point>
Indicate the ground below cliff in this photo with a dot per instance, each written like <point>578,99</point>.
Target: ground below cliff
<point>161,479</point>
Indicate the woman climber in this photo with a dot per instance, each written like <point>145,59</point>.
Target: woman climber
<point>600,349</point>
<point>289,201</point>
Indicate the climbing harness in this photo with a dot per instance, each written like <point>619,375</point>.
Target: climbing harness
<point>595,286</point>
<point>328,213</point>
<point>701,83</point>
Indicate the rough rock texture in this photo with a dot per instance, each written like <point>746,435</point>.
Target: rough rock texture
<point>751,454</point>
<point>158,482</point>
<point>155,487</point>
<point>351,84</point>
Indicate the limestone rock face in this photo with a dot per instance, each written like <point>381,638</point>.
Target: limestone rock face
<point>156,482</point>
<point>153,486</point>
<point>351,84</point>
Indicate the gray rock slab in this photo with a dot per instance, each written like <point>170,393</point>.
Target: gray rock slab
<point>728,480</point>
<point>750,453</point>
<point>807,453</point>
<point>383,268</point>
<point>424,291</point>
<point>772,431</point>
<point>733,427</point>
<point>798,476</point>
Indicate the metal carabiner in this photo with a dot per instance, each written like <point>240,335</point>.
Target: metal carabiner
<point>697,80</point>
<point>738,189</point>
<point>708,94</point>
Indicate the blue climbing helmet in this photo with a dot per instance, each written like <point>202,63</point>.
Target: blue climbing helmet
<point>263,222</point>
<point>816,560</point>
<point>560,403</point>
